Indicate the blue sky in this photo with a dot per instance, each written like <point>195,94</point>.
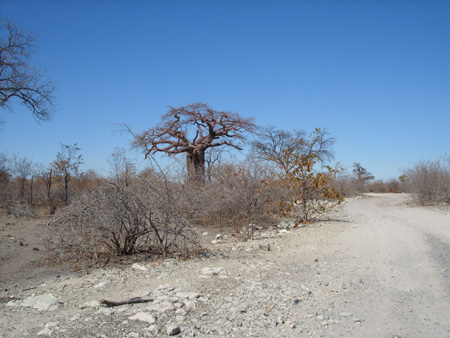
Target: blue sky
<point>376,74</point>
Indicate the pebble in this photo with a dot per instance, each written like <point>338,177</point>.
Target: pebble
<point>173,330</point>
<point>140,267</point>
<point>247,295</point>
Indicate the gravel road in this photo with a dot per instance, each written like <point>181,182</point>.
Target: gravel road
<point>377,268</point>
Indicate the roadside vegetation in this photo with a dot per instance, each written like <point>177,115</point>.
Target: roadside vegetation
<point>156,209</point>
<point>159,210</point>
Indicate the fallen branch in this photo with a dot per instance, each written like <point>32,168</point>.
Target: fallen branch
<point>135,300</point>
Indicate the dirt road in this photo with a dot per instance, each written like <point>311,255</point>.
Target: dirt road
<point>378,268</point>
<point>402,257</point>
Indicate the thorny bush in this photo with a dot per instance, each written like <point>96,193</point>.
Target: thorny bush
<point>124,220</point>
<point>429,182</point>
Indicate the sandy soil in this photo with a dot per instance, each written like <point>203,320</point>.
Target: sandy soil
<point>379,268</point>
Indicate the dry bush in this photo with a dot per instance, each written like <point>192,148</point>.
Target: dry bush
<point>346,183</point>
<point>234,197</point>
<point>123,220</point>
<point>429,182</point>
<point>22,210</point>
<point>380,186</point>
<point>377,186</point>
<point>310,190</point>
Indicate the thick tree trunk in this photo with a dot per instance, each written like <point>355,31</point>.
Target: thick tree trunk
<point>196,167</point>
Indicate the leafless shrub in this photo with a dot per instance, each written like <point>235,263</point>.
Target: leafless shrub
<point>22,210</point>
<point>429,182</point>
<point>377,186</point>
<point>124,220</point>
<point>236,195</point>
<point>346,183</point>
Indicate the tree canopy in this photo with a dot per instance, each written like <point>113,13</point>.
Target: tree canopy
<point>192,129</point>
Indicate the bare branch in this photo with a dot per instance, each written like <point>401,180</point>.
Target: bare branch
<point>192,129</point>
<point>20,80</point>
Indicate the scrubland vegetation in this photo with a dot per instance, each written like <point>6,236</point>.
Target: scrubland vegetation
<point>159,210</point>
<point>286,175</point>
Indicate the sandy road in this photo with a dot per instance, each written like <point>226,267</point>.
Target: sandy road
<point>401,257</point>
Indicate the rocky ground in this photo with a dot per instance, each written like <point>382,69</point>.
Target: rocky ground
<point>378,268</point>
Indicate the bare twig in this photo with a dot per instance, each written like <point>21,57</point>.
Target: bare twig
<point>135,300</point>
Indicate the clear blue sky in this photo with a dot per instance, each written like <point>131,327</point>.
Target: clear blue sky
<point>376,74</point>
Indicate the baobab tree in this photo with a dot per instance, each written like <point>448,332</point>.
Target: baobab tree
<point>192,129</point>
<point>362,173</point>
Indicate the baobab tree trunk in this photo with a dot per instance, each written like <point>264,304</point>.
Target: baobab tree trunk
<point>196,167</point>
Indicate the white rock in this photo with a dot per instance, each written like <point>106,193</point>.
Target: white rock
<point>104,311</point>
<point>211,271</point>
<point>188,295</point>
<point>92,303</point>
<point>137,266</point>
<point>152,328</point>
<point>162,307</point>
<point>205,234</point>
<point>103,284</point>
<point>14,302</point>
<point>46,331</point>
<point>51,324</point>
<point>144,317</point>
<point>46,302</point>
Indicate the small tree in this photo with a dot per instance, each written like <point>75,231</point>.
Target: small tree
<point>122,169</point>
<point>193,129</point>
<point>20,80</point>
<point>274,144</point>
<point>67,165</point>
<point>22,169</point>
<point>362,176</point>
<point>309,190</point>
<point>5,179</point>
<point>46,176</point>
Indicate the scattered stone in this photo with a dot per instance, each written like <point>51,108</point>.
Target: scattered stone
<point>46,331</point>
<point>92,303</point>
<point>14,302</point>
<point>211,271</point>
<point>188,295</point>
<point>274,323</point>
<point>103,284</point>
<point>144,317</point>
<point>105,311</point>
<point>173,330</point>
<point>46,302</point>
<point>140,267</point>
